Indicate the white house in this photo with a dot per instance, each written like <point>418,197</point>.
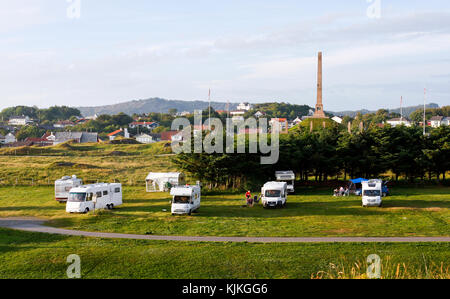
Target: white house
<point>10,138</point>
<point>297,121</point>
<point>238,115</point>
<point>337,119</point>
<point>145,139</point>
<point>436,121</point>
<point>446,121</point>
<point>259,114</point>
<point>143,124</point>
<point>244,106</point>
<point>399,121</point>
<point>19,121</point>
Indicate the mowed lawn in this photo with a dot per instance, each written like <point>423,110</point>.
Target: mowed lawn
<point>34,255</point>
<point>409,212</point>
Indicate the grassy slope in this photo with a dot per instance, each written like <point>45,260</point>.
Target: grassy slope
<point>128,164</point>
<point>409,212</point>
<point>32,255</point>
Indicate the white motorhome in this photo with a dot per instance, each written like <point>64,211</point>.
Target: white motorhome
<point>63,186</point>
<point>288,177</point>
<point>185,200</point>
<point>372,193</point>
<point>84,199</point>
<point>274,194</point>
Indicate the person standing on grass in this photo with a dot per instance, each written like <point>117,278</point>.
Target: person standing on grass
<point>248,197</point>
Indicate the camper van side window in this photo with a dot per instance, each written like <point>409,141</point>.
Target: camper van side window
<point>117,190</point>
<point>99,194</point>
<point>89,197</point>
<point>105,193</point>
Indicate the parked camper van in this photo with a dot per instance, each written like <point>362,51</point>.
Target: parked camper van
<point>372,191</point>
<point>288,177</point>
<point>87,198</point>
<point>274,194</point>
<point>63,186</point>
<point>185,199</point>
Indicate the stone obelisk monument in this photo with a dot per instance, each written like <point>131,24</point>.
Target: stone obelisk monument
<point>319,106</point>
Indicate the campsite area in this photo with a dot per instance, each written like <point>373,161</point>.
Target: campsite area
<point>26,185</point>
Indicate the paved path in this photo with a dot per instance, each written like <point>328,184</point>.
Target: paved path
<point>36,225</point>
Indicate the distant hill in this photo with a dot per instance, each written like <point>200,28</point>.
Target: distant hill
<point>153,105</point>
<point>406,110</point>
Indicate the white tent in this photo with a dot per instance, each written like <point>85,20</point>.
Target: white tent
<point>162,182</point>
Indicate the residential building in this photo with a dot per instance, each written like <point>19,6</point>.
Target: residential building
<point>238,115</point>
<point>282,122</point>
<point>19,121</point>
<point>259,114</point>
<point>121,132</point>
<point>436,121</point>
<point>172,136</point>
<point>63,124</point>
<point>297,121</point>
<point>10,138</point>
<point>399,121</point>
<point>446,121</point>
<point>143,124</point>
<point>78,137</point>
<point>148,138</point>
<point>337,119</point>
<point>244,106</point>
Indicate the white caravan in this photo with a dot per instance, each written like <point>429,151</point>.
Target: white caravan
<point>372,193</point>
<point>185,199</point>
<point>94,197</point>
<point>63,186</point>
<point>288,177</point>
<point>274,194</point>
<point>162,182</point>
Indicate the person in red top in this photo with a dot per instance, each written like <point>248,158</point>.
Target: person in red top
<point>249,198</point>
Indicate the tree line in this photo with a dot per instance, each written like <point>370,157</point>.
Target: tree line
<point>330,153</point>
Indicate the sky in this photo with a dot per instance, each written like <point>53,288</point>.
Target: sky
<point>100,52</point>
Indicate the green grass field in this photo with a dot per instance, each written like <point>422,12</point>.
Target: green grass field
<point>33,255</point>
<point>409,212</point>
<point>25,172</point>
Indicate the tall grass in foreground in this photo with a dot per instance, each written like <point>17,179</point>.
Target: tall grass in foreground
<point>389,270</point>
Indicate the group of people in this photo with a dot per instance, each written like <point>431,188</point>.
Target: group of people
<point>342,192</point>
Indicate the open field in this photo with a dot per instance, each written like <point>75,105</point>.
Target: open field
<point>34,255</point>
<point>410,212</point>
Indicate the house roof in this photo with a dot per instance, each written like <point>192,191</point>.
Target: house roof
<point>143,123</point>
<point>115,132</point>
<point>84,137</point>
<point>437,118</point>
<point>167,136</point>
<point>64,122</point>
<point>399,119</point>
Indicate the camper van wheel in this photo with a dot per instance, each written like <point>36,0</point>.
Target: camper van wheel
<point>111,206</point>
<point>86,211</point>
<point>190,212</point>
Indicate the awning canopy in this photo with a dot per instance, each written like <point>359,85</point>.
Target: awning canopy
<point>358,181</point>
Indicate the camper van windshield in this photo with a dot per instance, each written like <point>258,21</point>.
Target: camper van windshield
<point>273,193</point>
<point>182,199</point>
<point>77,197</point>
<point>372,193</point>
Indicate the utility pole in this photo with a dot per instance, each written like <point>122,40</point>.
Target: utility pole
<point>424,111</point>
<point>209,100</point>
<point>401,109</point>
